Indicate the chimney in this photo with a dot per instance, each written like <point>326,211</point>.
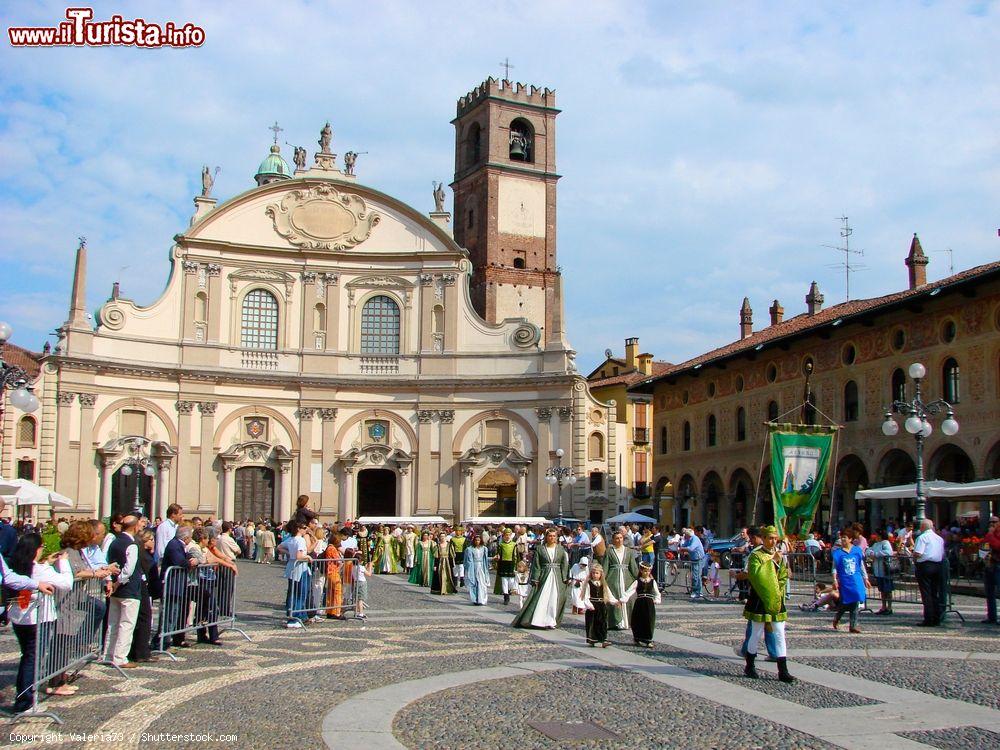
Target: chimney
<point>917,262</point>
<point>631,353</point>
<point>746,319</point>
<point>814,300</point>
<point>777,313</point>
<point>646,364</point>
<point>116,290</point>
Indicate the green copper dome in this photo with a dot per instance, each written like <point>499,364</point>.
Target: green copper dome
<point>273,167</point>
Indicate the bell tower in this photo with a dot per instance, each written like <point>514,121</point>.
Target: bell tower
<point>505,201</point>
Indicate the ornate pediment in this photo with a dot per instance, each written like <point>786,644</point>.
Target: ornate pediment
<point>274,275</point>
<point>385,282</point>
<point>323,218</point>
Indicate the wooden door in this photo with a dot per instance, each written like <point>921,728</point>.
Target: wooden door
<point>254,496</point>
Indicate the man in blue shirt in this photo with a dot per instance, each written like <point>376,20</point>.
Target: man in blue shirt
<point>8,534</point>
<point>696,554</point>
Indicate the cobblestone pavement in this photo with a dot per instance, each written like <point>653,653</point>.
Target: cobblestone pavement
<point>441,656</point>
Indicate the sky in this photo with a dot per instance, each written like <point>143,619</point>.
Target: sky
<point>707,149</point>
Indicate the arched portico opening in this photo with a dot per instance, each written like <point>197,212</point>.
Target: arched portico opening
<point>376,492</point>
<point>496,494</point>
<point>851,477</point>
<point>124,498</point>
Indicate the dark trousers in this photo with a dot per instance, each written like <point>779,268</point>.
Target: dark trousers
<point>140,650</point>
<point>851,609</point>
<point>929,579</point>
<point>27,639</point>
<point>174,609</point>
<point>207,611</point>
<point>991,582</point>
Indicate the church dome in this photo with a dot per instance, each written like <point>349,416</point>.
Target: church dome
<point>274,167</point>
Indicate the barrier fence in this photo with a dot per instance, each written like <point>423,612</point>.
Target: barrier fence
<point>802,568</point>
<point>67,638</point>
<point>906,588</point>
<point>322,586</point>
<point>200,598</point>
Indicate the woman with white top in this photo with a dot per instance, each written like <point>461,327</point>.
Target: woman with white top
<point>29,610</point>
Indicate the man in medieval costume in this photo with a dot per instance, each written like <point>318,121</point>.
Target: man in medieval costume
<point>457,543</point>
<point>767,571</point>
<point>409,547</point>
<point>620,571</point>
<point>549,576</point>
<point>423,565</point>
<point>506,557</point>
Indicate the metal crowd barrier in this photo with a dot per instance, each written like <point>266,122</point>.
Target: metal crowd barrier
<point>324,586</point>
<point>196,599</point>
<point>69,633</point>
<point>677,574</point>
<point>801,573</point>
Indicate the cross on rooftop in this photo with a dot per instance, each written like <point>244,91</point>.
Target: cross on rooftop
<point>275,129</point>
<point>506,68</point>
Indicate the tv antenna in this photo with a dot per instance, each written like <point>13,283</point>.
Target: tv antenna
<point>845,233</point>
<point>951,261</point>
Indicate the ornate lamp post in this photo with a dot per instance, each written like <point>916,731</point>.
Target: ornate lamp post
<point>15,380</point>
<point>917,423</point>
<point>138,459</point>
<point>560,475</point>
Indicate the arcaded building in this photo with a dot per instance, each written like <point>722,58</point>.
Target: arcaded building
<point>317,336</point>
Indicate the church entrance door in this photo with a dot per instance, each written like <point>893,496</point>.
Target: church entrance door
<point>123,491</point>
<point>376,492</point>
<point>254,496</point>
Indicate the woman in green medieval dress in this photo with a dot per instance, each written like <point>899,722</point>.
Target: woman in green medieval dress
<point>549,576</point>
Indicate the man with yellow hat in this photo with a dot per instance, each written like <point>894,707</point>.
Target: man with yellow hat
<point>767,571</point>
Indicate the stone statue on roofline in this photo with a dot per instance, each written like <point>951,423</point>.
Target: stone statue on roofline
<point>299,157</point>
<point>350,158</point>
<point>325,139</point>
<point>439,197</point>
<point>207,180</point>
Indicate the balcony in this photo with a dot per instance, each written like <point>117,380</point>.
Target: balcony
<point>640,435</point>
<point>380,365</point>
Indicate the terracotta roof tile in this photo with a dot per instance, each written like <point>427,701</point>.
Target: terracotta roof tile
<point>631,377</point>
<point>27,360</point>
<point>804,322</point>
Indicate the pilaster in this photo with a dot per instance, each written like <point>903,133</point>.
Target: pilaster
<point>85,500</point>
<point>305,415</point>
<point>447,491</point>
<point>213,275</point>
<point>64,477</point>
<point>185,487</point>
<point>208,496</point>
<point>543,492</point>
<point>425,471</point>
<point>328,498</point>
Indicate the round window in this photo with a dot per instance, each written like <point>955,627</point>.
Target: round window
<point>772,372</point>
<point>898,339</point>
<point>850,354</point>
<point>711,389</point>
<point>948,331</point>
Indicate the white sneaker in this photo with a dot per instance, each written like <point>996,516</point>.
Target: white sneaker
<point>293,625</point>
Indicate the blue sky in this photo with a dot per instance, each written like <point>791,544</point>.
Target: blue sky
<point>707,148</point>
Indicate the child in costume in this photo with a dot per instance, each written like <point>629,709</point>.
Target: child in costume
<point>594,597</point>
<point>647,595</point>
<point>578,576</point>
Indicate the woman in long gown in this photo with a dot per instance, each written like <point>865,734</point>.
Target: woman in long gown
<point>620,570</point>
<point>442,581</point>
<point>549,576</point>
<point>647,594</point>
<point>423,567</point>
<point>477,571</point>
<point>334,579</point>
<point>385,559</point>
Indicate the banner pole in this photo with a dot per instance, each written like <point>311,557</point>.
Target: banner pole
<point>760,472</point>
<point>833,482</point>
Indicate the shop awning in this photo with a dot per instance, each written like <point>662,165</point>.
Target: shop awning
<point>934,488</point>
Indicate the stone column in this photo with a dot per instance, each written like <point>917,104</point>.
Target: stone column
<point>446,463</point>
<point>189,290</point>
<point>331,285</point>
<point>213,272</point>
<point>162,497</point>
<point>208,495</point>
<point>85,471</point>
<point>285,503</point>
<point>328,497</point>
<point>63,476</point>
<point>309,301</point>
<point>186,489</point>
<point>425,471</point>
<point>405,492</point>
<point>572,458</point>
<point>522,475</point>
<point>426,315</point>
<point>105,507</point>
<point>543,492</point>
<point>229,491</point>
<point>305,416</point>
<point>450,311</point>
<point>468,499</point>
<point>347,503</point>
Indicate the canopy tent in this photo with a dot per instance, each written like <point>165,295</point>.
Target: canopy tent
<point>512,520</point>
<point>933,488</point>
<point>26,492</point>
<point>397,520</point>
<point>631,518</point>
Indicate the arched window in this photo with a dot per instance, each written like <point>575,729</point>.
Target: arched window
<point>522,138</point>
<point>851,406</point>
<point>950,381</point>
<point>380,326</point>
<point>663,440</point>
<point>260,321</point>
<point>711,435</point>
<point>687,436</point>
<point>26,432</point>
<point>772,411</point>
<point>519,262</point>
<point>473,143</point>
<point>596,446</point>
<point>898,387</point>
<point>741,424</point>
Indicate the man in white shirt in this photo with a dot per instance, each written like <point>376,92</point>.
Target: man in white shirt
<point>928,551</point>
<point>226,543</point>
<point>167,530</point>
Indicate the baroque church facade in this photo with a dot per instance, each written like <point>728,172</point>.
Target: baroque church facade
<point>317,336</point>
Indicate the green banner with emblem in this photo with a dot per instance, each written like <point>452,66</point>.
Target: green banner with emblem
<point>800,459</point>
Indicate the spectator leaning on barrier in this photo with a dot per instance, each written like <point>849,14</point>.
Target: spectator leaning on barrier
<point>174,566</point>
<point>227,544</point>
<point>297,573</point>
<point>880,551</point>
<point>123,605</point>
<point>149,589</point>
<point>167,529</point>
<point>696,554</point>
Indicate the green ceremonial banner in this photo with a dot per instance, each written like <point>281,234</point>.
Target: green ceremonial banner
<point>800,458</point>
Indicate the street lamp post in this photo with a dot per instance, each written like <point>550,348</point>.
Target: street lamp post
<point>560,475</point>
<point>137,459</point>
<point>918,424</point>
<point>15,380</point>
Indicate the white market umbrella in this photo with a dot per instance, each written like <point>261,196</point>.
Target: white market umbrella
<point>933,488</point>
<point>631,518</point>
<point>26,492</point>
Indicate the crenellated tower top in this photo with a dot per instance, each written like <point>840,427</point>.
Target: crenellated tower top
<point>502,89</point>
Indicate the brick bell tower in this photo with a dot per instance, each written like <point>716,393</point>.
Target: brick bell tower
<point>505,201</point>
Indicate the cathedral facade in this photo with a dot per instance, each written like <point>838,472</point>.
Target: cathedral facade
<point>319,337</point>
